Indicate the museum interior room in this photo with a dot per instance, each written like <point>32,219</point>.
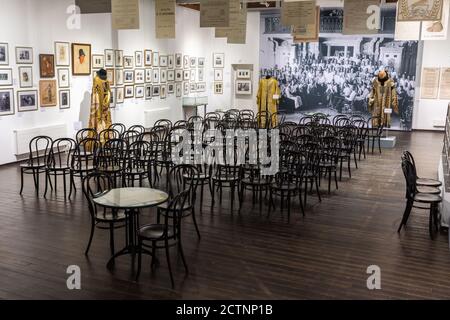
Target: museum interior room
<point>224,149</point>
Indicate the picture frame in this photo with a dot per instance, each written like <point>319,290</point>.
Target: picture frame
<point>170,75</point>
<point>26,77</point>
<point>118,58</point>
<point>120,95</point>
<point>119,77</point>
<point>178,60</point>
<point>148,57</point>
<point>178,89</point>
<point>128,62</point>
<point>62,54</point>
<point>186,61</point>
<point>201,86</point>
<point>63,78</point>
<point>148,91</point>
<point>139,92</point>
<point>4,54</point>
<point>110,73</point>
<point>129,92</point>
<point>81,59</point>
<point>47,93</point>
<point>200,75</point>
<point>218,75</point>
<point>186,75</point>
<point>24,55</point>
<point>170,88</point>
<point>138,59</point>
<point>193,87</point>
<point>218,60</point>
<point>243,87</point>
<point>178,74</point>
<point>139,76</point>
<point>218,87</point>
<point>186,88</point>
<point>163,93</point>
<point>98,61</point>
<point>109,58</point>
<point>128,76</point>
<point>112,99</point>
<point>193,75</point>
<point>163,75</point>
<point>64,99</point>
<point>163,61</point>
<point>243,74</point>
<point>6,77</point>
<point>148,75</point>
<point>201,62</point>
<point>155,59</point>
<point>155,78</point>
<point>7,102</point>
<point>193,62</point>
<point>156,91</point>
<point>27,100</point>
<point>47,65</point>
<point>170,61</point>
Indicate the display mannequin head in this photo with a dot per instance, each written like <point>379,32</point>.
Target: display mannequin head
<point>383,76</point>
<point>102,74</point>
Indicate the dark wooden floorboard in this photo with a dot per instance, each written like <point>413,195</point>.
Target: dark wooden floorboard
<point>241,256</point>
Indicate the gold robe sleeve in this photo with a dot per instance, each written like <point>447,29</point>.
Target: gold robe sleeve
<point>394,97</point>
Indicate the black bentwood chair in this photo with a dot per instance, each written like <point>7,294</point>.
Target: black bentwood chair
<point>39,148</point>
<point>421,182</point>
<point>96,184</point>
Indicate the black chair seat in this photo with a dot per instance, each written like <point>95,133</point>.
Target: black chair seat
<point>284,186</point>
<point>84,169</point>
<point>109,216</point>
<point>135,171</point>
<point>428,182</point>
<point>327,164</point>
<point>200,176</point>
<point>186,206</point>
<point>430,190</point>
<point>226,178</point>
<point>155,232</point>
<point>61,167</point>
<point>32,166</point>
<point>255,182</point>
<point>111,169</point>
<point>427,198</point>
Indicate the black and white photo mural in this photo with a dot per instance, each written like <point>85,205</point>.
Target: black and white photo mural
<point>335,74</point>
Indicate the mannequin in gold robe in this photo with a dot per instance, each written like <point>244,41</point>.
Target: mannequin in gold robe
<point>268,88</point>
<point>383,96</point>
<point>100,116</point>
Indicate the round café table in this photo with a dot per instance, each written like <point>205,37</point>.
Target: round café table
<point>131,200</point>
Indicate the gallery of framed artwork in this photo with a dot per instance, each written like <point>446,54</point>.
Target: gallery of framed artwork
<point>163,61</point>
<point>64,99</point>
<point>148,75</point>
<point>163,92</point>
<point>110,76</point>
<point>178,90</point>
<point>26,77</point>
<point>139,76</point>
<point>193,62</point>
<point>118,55</point>
<point>47,65</point>
<point>27,100</point>
<point>138,61</point>
<point>186,75</point>
<point>63,78</point>
<point>6,102</point>
<point>148,92</point>
<point>62,54</point>
<point>6,77</point>
<point>128,76</point>
<point>156,90</point>
<point>185,88</point>
<point>155,76</point>
<point>170,75</point>
<point>4,54</point>
<point>201,87</point>
<point>139,92</point>
<point>243,74</point>
<point>148,57</point>
<point>129,92</point>
<point>24,55</point>
<point>120,94</point>
<point>47,92</point>
<point>81,59</point>
<point>201,62</point>
<point>193,87</point>
<point>186,61</point>
<point>155,59</point>
<point>218,60</point>
<point>170,88</point>
<point>98,61</point>
<point>163,76</point>
<point>109,58</point>
<point>170,61</point>
<point>218,87</point>
<point>112,98</point>
<point>243,87</point>
<point>193,75</point>
<point>119,77</point>
<point>128,62</point>
<point>201,74</point>
<point>178,75</point>
<point>218,74</point>
<point>178,60</point>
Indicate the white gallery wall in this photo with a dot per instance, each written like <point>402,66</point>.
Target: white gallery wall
<point>39,24</point>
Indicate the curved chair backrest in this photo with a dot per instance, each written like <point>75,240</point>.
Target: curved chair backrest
<point>163,122</point>
<point>61,153</point>
<point>85,133</point>
<point>138,128</point>
<point>108,134</point>
<point>184,177</point>
<point>95,184</point>
<point>85,152</point>
<point>39,149</point>
<point>119,127</point>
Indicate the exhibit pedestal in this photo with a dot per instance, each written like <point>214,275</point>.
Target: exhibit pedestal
<point>386,142</point>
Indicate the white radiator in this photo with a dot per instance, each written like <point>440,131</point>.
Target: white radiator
<point>24,136</point>
<point>151,116</point>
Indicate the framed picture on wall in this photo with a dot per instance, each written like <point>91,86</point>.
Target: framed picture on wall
<point>62,54</point>
<point>139,76</point>
<point>218,87</point>
<point>24,55</point>
<point>201,62</point>
<point>185,88</point>
<point>6,77</point>
<point>128,76</point>
<point>120,94</point>
<point>139,92</point>
<point>26,77</point>
<point>178,90</point>
<point>201,74</point>
<point>128,62</point>
<point>98,61</point>
<point>193,87</point>
<point>129,92</point>
<point>156,90</point>
<point>4,54</point>
<point>186,75</point>
<point>155,59</point>
<point>201,87</point>
<point>47,92</point>
<point>193,62</point>
<point>170,61</point>
<point>170,88</point>
<point>109,58</point>
<point>110,76</point>
<point>118,55</point>
<point>155,79</point>
<point>163,93</point>
<point>47,65</point>
<point>178,75</point>
<point>218,60</point>
<point>148,57</point>
<point>6,102</point>
<point>81,59</point>
<point>243,74</point>
<point>193,75</point>
<point>27,101</point>
<point>63,78</point>
<point>64,99</point>
<point>178,60</point>
<point>243,87</point>
<point>148,75</point>
<point>163,61</point>
<point>170,75</point>
<point>163,76</point>
<point>138,60</point>
<point>119,77</point>
<point>186,61</point>
<point>148,92</point>
<point>218,74</point>
<point>112,99</point>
